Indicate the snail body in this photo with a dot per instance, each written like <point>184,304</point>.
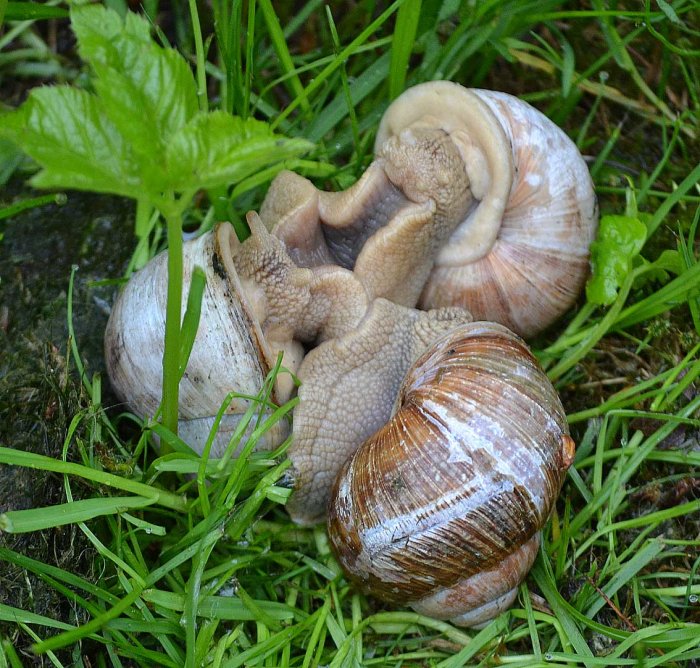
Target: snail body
<point>442,507</point>
<point>528,269</point>
<point>257,303</point>
<point>507,204</point>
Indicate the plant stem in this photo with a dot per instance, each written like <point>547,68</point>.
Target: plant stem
<point>173,312</point>
<point>142,229</point>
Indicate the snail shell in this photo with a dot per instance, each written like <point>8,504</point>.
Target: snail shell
<point>442,507</point>
<point>230,352</point>
<point>520,257</point>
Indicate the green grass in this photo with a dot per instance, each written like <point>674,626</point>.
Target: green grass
<point>196,561</point>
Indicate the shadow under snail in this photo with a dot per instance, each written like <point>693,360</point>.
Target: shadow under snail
<point>463,183</point>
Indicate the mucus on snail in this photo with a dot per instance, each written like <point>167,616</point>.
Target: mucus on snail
<point>465,190</point>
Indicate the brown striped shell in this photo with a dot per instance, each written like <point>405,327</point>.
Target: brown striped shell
<point>442,507</point>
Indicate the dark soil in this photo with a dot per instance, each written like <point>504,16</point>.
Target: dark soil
<point>40,391</point>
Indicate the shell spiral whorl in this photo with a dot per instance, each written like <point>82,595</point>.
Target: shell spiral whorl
<point>443,506</point>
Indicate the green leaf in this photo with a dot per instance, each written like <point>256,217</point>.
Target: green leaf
<point>10,159</point>
<point>670,261</point>
<point>97,27</point>
<point>218,149</point>
<point>148,92</point>
<point>63,129</point>
<point>141,134</point>
<point>620,238</point>
<point>668,10</point>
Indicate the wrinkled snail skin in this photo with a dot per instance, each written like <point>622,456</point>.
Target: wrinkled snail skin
<point>349,385</point>
<point>257,303</point>
<point>475,199</point>
<point>442,507</point>
<point>389,226</point>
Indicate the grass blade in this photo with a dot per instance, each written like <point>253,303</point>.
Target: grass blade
<point>402,45</point>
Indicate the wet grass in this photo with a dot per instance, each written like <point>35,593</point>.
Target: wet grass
<point>178,572</point>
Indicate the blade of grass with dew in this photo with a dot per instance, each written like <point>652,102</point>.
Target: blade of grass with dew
<point>545,581</point>
<point>10,614</point>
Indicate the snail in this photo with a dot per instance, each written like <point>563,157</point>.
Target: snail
<point>513,207</point>
<point>451,454</point>
<point>442,507</point>
<point>229,340</point>
<point>256,305</point>
<point>348,385</point>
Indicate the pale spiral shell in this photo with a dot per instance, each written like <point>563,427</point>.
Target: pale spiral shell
<point>521,255</point>
<point>230,353</point>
